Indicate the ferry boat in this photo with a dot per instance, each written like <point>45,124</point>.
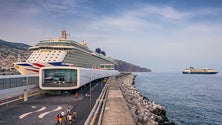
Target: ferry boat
<point>63,52</point>
<point>191,70</point>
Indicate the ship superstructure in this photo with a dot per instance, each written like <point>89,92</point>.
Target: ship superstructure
<point>191,70</point>
<point>63,52</point>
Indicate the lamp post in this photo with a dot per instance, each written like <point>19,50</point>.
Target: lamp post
<point>25,91</point>
<point>89,88</point>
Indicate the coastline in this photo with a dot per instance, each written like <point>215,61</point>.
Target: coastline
<point>188,99</point>
<point>143,111</point>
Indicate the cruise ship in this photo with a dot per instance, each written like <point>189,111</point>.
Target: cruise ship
<point>191,70</point>
<point>63,52</point>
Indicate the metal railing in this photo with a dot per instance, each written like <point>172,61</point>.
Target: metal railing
<point>7,101</point>
<point>98,109</point>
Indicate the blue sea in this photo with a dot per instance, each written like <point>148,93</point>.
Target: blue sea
<point>189,99</point>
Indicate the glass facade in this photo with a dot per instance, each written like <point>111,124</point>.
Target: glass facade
<point>6,83</point>
<point>59,78</point>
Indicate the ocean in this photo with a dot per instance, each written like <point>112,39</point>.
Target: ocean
<point>189,99</point>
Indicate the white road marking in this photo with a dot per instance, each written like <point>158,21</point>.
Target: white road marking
<point>33,107</point>
<point>25,114</point>
<point>45,113</point>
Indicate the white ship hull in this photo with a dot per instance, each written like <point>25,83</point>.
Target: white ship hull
<point>33,68</point>
<point>63,52</point>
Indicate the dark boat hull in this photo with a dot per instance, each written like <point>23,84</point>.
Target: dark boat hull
<point>200,72</point>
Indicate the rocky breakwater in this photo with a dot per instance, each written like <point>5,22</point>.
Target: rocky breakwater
<point>143,111</point>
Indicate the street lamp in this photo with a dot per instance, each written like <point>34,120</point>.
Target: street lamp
<point>26,89</point>
<point>89,88</point>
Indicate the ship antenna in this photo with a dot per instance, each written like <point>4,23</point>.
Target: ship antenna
<point>64,34</point>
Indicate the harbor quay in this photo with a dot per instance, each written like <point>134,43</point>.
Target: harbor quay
<point>115,102</point>
<point>126,106</point>
<point>116,110</point>
<point>142,110</point>
<point>43,109</point>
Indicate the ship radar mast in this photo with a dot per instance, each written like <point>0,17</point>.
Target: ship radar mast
<point>64,34</point>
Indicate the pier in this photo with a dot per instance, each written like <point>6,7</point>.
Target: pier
<point>116,109</point>
<point>115,102</point>
<point>123,105</point>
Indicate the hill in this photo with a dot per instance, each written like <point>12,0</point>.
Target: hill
<point>19,46</point>
<point>123,66</point>
<point>12,52</point>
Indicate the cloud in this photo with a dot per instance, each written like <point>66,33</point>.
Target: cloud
<point>155,18</point>
<point>67,7</point>
<point>147,35</point>
<point>164,11</point>
<point>208,11</point>
<point>142,40</point>
<point>18,9</point>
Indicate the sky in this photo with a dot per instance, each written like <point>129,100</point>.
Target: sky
<point>163,35</point>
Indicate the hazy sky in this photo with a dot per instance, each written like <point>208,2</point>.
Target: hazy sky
<point>164,35</point>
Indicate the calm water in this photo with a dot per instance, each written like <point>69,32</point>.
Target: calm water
<point>188,99</point>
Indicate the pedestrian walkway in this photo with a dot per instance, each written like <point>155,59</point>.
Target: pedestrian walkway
<point>116,110</point>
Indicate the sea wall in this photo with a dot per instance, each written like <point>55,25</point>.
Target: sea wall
<point>143,111</point>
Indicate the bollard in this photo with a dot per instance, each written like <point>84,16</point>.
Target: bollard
<point>25,95</point>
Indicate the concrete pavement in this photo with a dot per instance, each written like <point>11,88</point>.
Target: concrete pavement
<point>116,110</point>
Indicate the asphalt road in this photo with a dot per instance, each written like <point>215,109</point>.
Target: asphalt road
<point>44,109</point>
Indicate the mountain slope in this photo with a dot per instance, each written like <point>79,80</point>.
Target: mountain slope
<point>10,52</point>
<point>123,66</point>
<point>19,46</point>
